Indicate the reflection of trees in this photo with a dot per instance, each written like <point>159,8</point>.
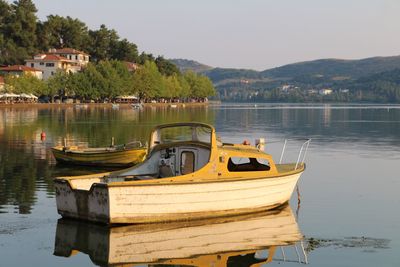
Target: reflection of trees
<point>26,163</point>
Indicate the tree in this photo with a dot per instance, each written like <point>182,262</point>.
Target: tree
<point>58,85</point>
<point>124,51</point>
<point>166,67</point>
<point>148,81</point>
<point>200,86</point>
<point>26,83</point>
<point>19,31</point>
<point>101,43</point>
<point>60,31</point>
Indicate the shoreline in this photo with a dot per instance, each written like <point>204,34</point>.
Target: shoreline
<point>88,105</point>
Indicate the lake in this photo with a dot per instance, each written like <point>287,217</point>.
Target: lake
<point>349,212</point>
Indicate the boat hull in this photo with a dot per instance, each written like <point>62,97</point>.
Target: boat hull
<point>149,203</point>
<point>118,158</point>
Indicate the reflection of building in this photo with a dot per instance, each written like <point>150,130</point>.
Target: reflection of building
<point>19,70</point>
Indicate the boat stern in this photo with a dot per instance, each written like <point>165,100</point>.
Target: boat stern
<point>92,204</point>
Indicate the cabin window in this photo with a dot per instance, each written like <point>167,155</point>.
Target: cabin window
<point>49,64</point>
<point>239,164</point>
<point>32,65</point>
<point>187,162</point>
<point>41,63</point>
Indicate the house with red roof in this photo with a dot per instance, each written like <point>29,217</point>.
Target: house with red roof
<point>65,59</point>
<point>79,57</point>
<point>19,70</point>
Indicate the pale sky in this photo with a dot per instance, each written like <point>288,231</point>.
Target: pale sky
<point>254,34</point>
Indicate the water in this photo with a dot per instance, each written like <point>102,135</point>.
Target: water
<point>349,210</point>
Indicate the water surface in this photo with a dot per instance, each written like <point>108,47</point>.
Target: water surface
<point>349,210</point>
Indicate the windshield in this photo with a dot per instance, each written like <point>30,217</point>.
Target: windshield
<point>197,133</point>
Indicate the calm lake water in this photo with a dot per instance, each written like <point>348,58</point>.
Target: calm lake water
<point>350,200</point>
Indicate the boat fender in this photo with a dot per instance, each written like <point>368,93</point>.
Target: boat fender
<point>43,136</point>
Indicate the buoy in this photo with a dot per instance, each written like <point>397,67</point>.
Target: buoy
<point>43,136</point>
<point>246,143</point>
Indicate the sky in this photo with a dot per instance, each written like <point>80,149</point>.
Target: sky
<point>251,34</point>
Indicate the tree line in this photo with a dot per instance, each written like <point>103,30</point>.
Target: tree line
<point>108,79</point>
<point>22,35</point>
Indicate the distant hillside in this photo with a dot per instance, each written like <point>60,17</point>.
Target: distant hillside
<point>331,68</point>
<point>185,65</point>
<point>378,78</point>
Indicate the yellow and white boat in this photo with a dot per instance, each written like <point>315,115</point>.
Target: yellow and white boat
<point>210,242</point>
<point>113,156</point>
<point>187,174</point>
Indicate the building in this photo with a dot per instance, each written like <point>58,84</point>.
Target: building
<point>49,64</point>
<point>131,66</point>
<point>80,58</point>
<point>326,91</point>
<point>18,70</point>
<point>65,59</point>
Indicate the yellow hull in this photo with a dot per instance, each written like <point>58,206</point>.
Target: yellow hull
<point>100,157</point>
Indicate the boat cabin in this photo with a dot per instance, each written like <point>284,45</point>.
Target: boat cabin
<point>181,149</point>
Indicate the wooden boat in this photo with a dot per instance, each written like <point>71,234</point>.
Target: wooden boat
<point>187,174</point>
<point>114,156</point>
<point>210,242</point>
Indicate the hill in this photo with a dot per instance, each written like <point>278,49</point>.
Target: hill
<point>185,65</point>
<point>331,68</point>
<point>375,79</point>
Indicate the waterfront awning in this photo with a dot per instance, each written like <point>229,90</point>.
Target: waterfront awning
<point>126,97</point>
<point>25,96</point>
<point>9,95</point>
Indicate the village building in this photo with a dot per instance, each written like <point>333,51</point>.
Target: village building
<point>80,58</point>
<point>19,70</point>
<point>65,59</point>
<point>131,66</point>
<point>326,91</point>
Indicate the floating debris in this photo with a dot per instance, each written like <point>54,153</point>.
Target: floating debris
<point>368,244</point>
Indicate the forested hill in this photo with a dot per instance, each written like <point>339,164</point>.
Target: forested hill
<point>335,68</point>
<point>338,69</point>
<point>375,79</point>
<point>185,65</point>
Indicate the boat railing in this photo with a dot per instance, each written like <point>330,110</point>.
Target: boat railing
<point>302,153</point>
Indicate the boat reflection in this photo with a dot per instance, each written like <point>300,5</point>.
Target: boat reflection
<point>248,240</point>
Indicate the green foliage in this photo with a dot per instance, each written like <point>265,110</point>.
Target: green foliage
<point>24,84</point>
<point>18,31</point>
<point>166,67</point>
<point>148,81</point>
<point>57,85</point>
<point>200,86</point>
<point>60,31</point>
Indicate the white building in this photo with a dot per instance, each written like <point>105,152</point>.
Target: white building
<point>326,91</point>
<point>65,59</point>
<point>80,58</point>
<point>49,64</point>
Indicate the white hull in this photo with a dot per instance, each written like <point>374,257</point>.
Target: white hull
<point>174,242</point>
<point>168,202</point>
